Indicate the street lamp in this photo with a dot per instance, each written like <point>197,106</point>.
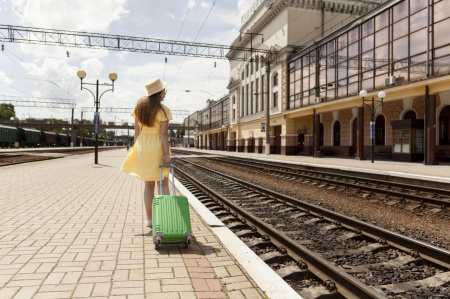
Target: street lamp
<point>16,144</point>
<point>113,77</point>
<point>372,109</point>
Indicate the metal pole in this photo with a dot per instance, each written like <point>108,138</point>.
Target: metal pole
<point>189,142</point>
<point>81,132</point>
<point>73,131</point>
<point>268,106</point>
<point>373,131</point>
<point>428,39</point>
<point>425,125</point>
<point>96,135</point>
<point>314,133</point>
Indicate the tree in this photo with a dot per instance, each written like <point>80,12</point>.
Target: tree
<point>6,111</point>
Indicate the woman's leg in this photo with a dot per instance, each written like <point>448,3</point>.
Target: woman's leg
<point>149,194</point>
<point>165,184</point>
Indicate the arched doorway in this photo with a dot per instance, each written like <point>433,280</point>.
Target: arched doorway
<point>301,131</point>
<point>444,126</point>
<point>411,114</point>
<point>337,133</point>
<point>380,129</point>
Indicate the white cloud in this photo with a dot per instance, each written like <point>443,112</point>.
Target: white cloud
<point>244,5</point>
<point>4,79</point>
<point>81,15</point>
<point>171,15</point>
<point>92,66</point>
<point>191,3</point>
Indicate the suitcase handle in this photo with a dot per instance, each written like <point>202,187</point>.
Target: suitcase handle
<point>160,177</point>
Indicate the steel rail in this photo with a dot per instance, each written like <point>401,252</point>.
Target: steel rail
<point>428,252</point>
<point>362,183</point>
<point>347,285</point>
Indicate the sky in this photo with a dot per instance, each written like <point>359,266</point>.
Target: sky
<point>42,71</point>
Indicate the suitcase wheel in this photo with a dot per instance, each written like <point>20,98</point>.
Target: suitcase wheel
<point>187,241</point>
<point>157,242</point>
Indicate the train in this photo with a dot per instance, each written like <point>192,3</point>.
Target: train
<point>35,138</point>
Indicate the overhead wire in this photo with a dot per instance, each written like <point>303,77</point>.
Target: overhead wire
<point>214,3</point>
<point>65,49</point>
<point>32,75</point>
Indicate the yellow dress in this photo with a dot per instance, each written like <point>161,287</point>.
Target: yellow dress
<point>146,155</point>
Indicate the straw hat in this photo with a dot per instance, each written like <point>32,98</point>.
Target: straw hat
<point>154,86</point>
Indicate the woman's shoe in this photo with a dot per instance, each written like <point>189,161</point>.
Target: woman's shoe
<point>148,222</point>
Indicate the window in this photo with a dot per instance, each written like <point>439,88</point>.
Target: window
<point>246,101</point>
<point>275,80</point>
<point>251,98</point>
<point>444,125</point>
<point>262,93</point>
<point>256,95</point>
<point>275,99</point>
<point>257,63</point>
<point>380,129</point>
<point>410,115</point>
<point>337,133</point>
<point>242,75</point>
<point>234,114</point>
<point>234,100</point>
<point>242,102</point>
<point>252,67</point>
<point>246,70</point>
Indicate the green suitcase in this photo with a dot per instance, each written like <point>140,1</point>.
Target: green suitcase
<point>171,218</point>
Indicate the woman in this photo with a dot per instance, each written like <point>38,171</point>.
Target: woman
<point>151,143</point>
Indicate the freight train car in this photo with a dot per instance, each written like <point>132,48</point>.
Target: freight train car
<point>62,140</point>
<point>29,137</point>
<point>48,139</point>
<point>8,135</point>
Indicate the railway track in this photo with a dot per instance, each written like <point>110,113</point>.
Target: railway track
<point>317,251</point>
<point>392,192</point>
<point>14,157</point>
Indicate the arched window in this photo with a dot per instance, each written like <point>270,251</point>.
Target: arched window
<point>380,129</point>
<point>410,115</point>
<point>321,135</point>
<point>444,126</point>
<point>337,133</point>
<point>275,79</point>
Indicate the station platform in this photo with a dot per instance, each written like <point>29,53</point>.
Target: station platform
<point>74,229</point>
<point>416,170</point>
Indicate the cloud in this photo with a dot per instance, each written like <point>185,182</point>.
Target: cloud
<point>244,5</point>
<point>92,66</point>
<point>4,79</point>
<point>171,15</point>
<point>191,3</point>
<point>81,15</point>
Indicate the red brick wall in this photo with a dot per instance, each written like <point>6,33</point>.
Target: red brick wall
<point>344,117</point>
<point>327,120</point>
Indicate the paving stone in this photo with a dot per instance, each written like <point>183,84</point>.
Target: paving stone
<point>91,242</point>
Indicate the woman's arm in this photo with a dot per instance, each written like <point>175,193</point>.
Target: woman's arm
<point>165,141</point>
<point>137,130</point>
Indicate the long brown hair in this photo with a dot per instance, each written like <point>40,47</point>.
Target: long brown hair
<point>148,107</point>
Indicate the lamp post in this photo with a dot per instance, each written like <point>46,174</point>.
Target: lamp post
<point>113,77</point>
<point>372,109</point>
<point>16,143</point>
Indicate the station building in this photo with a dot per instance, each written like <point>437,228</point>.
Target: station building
<point>325,54</point>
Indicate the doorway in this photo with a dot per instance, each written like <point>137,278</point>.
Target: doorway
<point>277,133</point>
